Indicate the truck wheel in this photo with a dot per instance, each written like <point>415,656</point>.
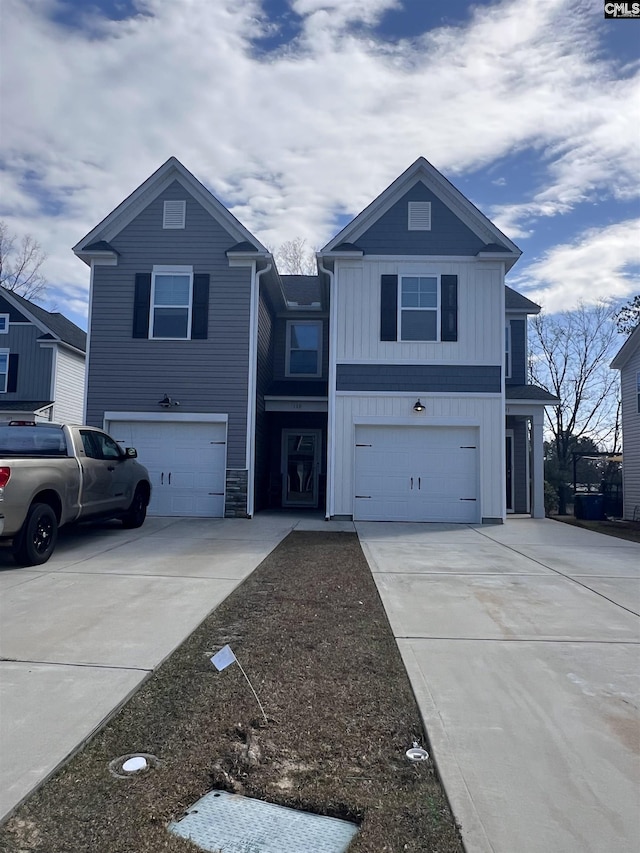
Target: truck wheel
<point>137,512</point>
<point>38,536</point>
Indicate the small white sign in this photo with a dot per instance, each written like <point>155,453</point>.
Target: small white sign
<point>224,658</point>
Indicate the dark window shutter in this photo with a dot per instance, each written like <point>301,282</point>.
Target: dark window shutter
<point>12,377</point>
<point>141,304</point>
<point>389,308</point>
<point>200,309</point>
<point>449,308</point>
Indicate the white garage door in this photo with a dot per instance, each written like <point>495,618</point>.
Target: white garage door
<point>416,474</point>
<point>186,462</point>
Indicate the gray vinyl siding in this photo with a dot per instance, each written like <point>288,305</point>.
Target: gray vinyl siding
<point>520,479</point>
<point>631,437</point>
<point>264,375</point>
<point>433,378</point>
<point>390,235</point>
<point>518,353</point>
<point>34,363</point>
<point>280,344</point>
<point>127,374</point>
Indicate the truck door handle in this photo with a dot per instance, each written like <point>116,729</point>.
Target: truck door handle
<point>110,468</point>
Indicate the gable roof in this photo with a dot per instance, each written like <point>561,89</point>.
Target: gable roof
<point>495,241</point>
<point>302,290</point>
<point>627,349</point>
<point>173,170</point>
<point>54,325</point>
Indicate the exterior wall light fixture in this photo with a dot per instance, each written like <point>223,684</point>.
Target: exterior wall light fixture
<point>418,406</point>
<point>167,402</point>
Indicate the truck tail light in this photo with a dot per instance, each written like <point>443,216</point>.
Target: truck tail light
<point>5,474</point>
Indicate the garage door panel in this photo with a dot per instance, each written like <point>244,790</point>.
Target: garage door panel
<point>416,474</point>
<point>186,464</point>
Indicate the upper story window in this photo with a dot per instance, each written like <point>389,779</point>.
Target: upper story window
<point>4,324</point>
<point>171,300</point>
<point>507,351</point>
<point>418,314</point>
<point>174,214</point>
<point>4,370</point>
<point>419,215</point>
<point>304,348</point>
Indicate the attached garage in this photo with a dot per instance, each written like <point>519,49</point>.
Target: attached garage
<point>186,461</point>
<point>406,473</point>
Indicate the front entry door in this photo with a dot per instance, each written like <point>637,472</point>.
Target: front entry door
<point>300,460</point>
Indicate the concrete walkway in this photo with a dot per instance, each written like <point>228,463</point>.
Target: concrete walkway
<point>81,633</point>
<point>522,644</point>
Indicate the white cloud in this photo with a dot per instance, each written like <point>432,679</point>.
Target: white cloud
<point>291,139</point>
<point>602,264</point>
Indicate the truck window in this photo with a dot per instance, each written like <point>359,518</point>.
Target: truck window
<point>97,445</point>
<point>32,441</point>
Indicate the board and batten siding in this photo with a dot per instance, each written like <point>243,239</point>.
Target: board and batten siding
<point>480,314</point>
<point>132,374</point>
<point>68,387</point>
<point>630,436</point>
<point>34,363</point>
<point>485,412</point>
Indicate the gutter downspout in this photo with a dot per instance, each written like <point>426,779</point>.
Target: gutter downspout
<point>252,389</point>
<point>331,401</point>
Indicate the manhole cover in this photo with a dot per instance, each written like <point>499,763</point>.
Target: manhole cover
<point>235,824</point>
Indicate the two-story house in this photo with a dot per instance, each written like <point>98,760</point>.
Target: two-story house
<point>376,389</point>
<point>627,361</point>
<point>42,363</point>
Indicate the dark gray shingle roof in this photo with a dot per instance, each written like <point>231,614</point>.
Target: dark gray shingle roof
<point>57,323</point>
<point>529,392</point>
<point>514,301</point>
<point>302,289</point>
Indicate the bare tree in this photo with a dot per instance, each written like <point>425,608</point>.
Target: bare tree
<point>570,354</point>
<point>20,263</point>
<point>628,316</point>
<point>294,257</point>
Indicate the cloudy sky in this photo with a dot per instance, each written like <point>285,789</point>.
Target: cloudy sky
<point>297,113</point>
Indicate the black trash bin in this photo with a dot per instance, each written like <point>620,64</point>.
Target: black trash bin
<point>589,506</point>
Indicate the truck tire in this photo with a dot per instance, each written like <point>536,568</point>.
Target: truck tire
<point>37,539</point>
<point>137,512</point>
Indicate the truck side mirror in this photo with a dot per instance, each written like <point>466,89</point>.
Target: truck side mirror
<point>131,452</point>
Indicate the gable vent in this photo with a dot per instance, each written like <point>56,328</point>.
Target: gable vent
<point>174,214</point>
<point>419,216</point>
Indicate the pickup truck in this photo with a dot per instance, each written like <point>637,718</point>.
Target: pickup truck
<point>53,474</point>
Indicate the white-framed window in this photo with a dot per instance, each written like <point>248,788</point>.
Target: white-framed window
<point>4,324</point>
<point>171,303</point>
<point>174,214</point>
<point>419,216</point>
<point>4,370</point>
<point>419,308</point>
<point>304,348</point>
<point>507,351</point>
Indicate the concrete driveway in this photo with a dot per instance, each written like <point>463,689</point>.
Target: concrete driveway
<point>81,633</point>
<point>522,642</point>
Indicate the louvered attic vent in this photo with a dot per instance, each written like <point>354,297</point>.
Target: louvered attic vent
<point>419,216</point>
<point>174,214</point>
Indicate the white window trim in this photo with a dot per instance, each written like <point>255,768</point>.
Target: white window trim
<point>4,330</point>
<point>507,350</point>
<point>170,270</point>
<point>287,372</point>
<point>178,223</point>
<point>3,390</point>
<point>436,309</point>
<point>638,392</point>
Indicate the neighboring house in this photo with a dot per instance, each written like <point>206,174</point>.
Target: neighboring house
<point>42,363</point>
<point>627,361</point>
<point>375,389</point>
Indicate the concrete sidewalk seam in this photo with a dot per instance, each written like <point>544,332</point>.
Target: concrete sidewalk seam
<point>68,663</point>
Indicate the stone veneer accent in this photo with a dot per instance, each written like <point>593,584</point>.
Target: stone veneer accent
<point>235,503</point>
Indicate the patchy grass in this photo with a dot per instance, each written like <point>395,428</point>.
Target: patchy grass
<point>629,530</point>
<point>311,633</point>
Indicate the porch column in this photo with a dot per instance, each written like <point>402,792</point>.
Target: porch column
<point>537,464</point>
